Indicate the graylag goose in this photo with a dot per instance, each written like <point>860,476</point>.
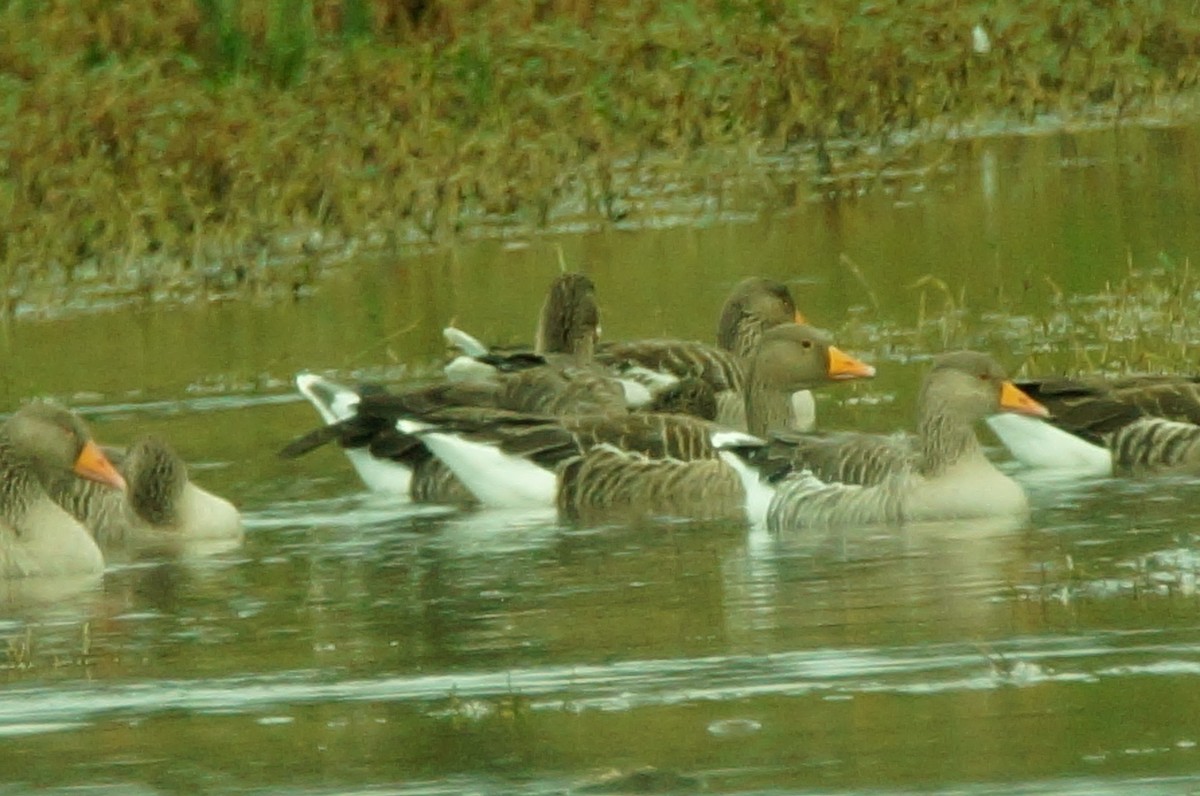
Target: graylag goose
<point>161,503</point>
<point>605,465</point>
<point>654,372</point>
<point>941,473</point>
<point>559,378</point>
<point>43,446</point>
<point>1132,425</point>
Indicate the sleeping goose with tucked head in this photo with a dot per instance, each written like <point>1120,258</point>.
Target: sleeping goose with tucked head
<point>941,473</point>
<point>161,503</point>
<point>1133,425</point>
<point>616,465</point>
<point>42,448</point>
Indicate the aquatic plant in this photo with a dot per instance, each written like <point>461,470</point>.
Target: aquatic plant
<point>179,149</point>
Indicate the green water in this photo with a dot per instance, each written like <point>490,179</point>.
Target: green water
<point>356,644</point>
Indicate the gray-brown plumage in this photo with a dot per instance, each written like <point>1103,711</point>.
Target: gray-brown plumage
<point>1093,407</point>
<point>161,502</point>
<point>620,465</point>
<point>558,378</point>
<point>940,473</point>
<point>42,448</point>
<point>755,305</point>
<point>605,483</point>
<point>652,368</point>
<point>1146,423</point>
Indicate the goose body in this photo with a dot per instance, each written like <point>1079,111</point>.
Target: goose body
<point>558,378</point>
<point>1132,425</point>
<point>617,465</point>
<point>648,368</point>
<point>941,473</point>
<point>43,446</point>
<point>160,504</point>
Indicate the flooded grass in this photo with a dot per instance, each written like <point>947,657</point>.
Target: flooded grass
<point>184,150</point>
<point>359,644</point>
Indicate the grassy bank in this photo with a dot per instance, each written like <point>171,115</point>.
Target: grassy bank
<point>179,146</point>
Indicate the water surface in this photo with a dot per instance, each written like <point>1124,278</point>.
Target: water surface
<point>356,644</point>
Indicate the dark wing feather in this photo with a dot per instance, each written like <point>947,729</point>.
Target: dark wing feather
<point>681,358</point>
<point>842,457</point>
<point>1093,408</point>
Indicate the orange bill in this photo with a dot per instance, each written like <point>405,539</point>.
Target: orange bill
<point>1012,399</point>
<point>799,317</point>
<point>94,465</point>
<point>842,366</point>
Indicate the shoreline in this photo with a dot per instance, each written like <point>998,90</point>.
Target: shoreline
<point>140,165</point>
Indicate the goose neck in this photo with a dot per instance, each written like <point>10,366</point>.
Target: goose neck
<point>944,440</point>
<point>747,336</point>
<point>768,408</point>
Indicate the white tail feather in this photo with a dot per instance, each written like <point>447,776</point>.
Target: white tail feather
<point>498,479</point>
<point>1038,444</point>
<point>464,342</point>
<point>335,402</point>
<point>331,400</point>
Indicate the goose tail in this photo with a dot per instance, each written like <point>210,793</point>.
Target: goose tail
<point>1041,445</point>
<point>336,404</point>
<point>497,478</point>
<point>332,401</point>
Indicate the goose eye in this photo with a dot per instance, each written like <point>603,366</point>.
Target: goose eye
<point>985,377</point>
<point>806,344</point>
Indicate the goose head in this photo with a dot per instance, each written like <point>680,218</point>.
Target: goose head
<point>795,356</point>
<point>570,319</point>
<point>970,385</point>
<point>754,305</point>
<point>157,478</point>
<point>56,445</point>
<point>789,358</point>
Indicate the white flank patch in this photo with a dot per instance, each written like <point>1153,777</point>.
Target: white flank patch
<point>498,479</point>
<point>654,380</point>
<point>407,426</point>
<point>1038,444</point>
<point>804,411</point>
<point>380,475</point>
<point>636,395</point>
<point>338,405</point>
<point>758,492</point>
<point>466,368</point>
<point>728,438</point>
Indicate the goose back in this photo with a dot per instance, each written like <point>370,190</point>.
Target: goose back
<point>606,482</point>
<point>618,465</point>
<point>941,473</point>
<point>1153,445</point>
<point>754,305</point>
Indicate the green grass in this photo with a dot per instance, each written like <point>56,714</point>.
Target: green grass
<point>158,143</point>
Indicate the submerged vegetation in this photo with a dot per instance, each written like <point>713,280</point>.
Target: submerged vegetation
<point>163,146</point>
<point>1142,323</point>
